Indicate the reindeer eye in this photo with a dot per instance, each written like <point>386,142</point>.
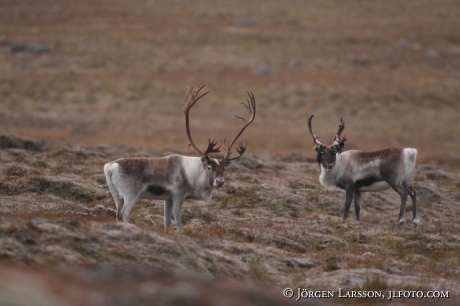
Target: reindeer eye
<point>209,168</point>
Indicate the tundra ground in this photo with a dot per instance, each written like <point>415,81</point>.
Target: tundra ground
<point>271,226</point>
<point>85,82</point>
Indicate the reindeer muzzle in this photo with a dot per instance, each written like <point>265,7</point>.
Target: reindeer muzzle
<point>219,182</point>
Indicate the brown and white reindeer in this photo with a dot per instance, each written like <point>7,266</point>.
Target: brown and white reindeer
<point>357,171</point>
<point>173,178</point>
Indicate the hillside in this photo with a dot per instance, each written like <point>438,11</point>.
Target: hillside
<point>271,226</point>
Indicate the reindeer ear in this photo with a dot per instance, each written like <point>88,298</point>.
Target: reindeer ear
<point>227,163</point>
<point>316,148</point>
<point>204,160</point>
<point>318,158</point>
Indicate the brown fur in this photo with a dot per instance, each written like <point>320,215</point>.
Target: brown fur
<point>142,167</point>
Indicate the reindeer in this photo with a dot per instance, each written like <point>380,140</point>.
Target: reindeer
<point>356,171</point>
<point>173,178</point>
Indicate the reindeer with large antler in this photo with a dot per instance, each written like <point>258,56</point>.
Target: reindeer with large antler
<point>357,171</point>
<point>173,178</point>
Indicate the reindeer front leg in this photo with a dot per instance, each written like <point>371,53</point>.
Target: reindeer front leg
<point>348,199</point>
<point>168,214</point>
<point>177,205</point>
<point>357,204</point>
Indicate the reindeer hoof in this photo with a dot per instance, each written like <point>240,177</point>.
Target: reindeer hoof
<point>401,221</point>
<point>416,222</point>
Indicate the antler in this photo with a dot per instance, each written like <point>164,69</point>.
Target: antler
<point>251,107</point>
<point>211,149</point>
<point>190,100</point>
<point>315,138</point>
<point>337,139</point>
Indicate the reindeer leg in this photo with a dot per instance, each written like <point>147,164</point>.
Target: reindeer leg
<point>130,201</point>
<point>177,205</point>
<point>119,204</point>
<point>168,214</point>
<point>403,194</point>
<point>400,189</point>
<point>357,203</point>
<point>348,199</point>
<point>413,195</point>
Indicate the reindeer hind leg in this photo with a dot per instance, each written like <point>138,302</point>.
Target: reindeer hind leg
<point>399,188</point>
<point>413,195</point>
<point>403,194</point>
<point>129,202</point>
<point>119,203</point>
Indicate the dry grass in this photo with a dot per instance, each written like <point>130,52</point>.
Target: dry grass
<point>280,230</point>
<point>117,73</point>
<point>112,84</point>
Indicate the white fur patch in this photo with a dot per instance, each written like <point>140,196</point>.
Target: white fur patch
<point>374,164</point>
<point>327,178</point>
<point>410,158</point>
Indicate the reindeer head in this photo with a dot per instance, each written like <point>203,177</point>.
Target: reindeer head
<point>327,154</point>
<point>214,167</point>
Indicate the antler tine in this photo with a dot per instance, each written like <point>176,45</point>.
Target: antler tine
<point>337,139</point>
<point>211,149</point>
<point>341,127</point>
<point>251,107</point>
<point>190,100</point>
<point>315,138</point>
<point>225,139</point>
<point>251,102</point>
<point>241,149</point>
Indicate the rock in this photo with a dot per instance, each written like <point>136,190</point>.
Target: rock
<point>306,263</point>
<point>454,50</point>
<point>245,22</point>
<point>86,130</point>
<point>264,69</point>
<point>431,53</point>
<point>111,212</point>
<point>402,43</point>
<point>32,49</point>
<point>98,209</point>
